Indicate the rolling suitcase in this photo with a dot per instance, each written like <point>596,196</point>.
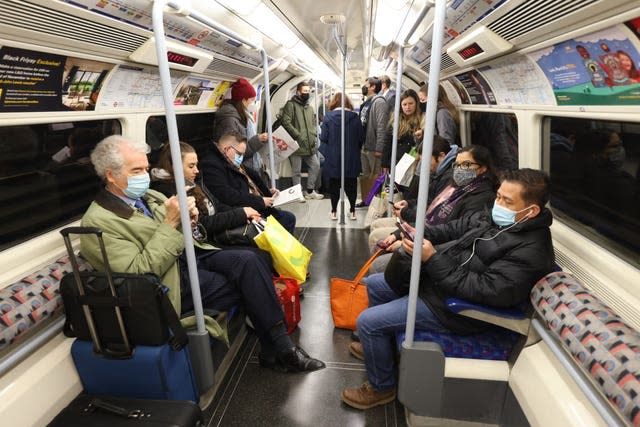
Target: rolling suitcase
<point>114,366</point>
<point>101,411</point>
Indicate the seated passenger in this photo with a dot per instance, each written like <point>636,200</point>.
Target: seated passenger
<point>235,185</point>
<point>501,257</point>
<point>472,190</point>
<point>141,233</point>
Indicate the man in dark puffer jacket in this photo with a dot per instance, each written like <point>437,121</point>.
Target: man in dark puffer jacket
<point>490,259</point>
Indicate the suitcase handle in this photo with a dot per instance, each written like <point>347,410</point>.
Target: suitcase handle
<point>76,273</point>
<point>116,410</point>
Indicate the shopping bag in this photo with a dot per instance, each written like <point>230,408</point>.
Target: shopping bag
<point>405,169</point>
<point>377,209</point>
<point>290,257</point>
<point>288,292</point>
<point>366,183</point>
<point>349,297</point>
<point>376,188</point>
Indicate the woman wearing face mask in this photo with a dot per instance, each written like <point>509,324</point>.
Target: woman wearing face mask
<point>236,115</point>
<point>473,188</point>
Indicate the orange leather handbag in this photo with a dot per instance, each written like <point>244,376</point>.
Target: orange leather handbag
<point>349,297</point>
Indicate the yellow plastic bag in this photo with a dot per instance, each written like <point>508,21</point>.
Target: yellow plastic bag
<point>290,257</point>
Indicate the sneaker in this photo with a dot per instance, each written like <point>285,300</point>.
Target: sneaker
<point>334,216</point>
<point>365,396</point>
<point>356,350</point>
<point>314,195</point>
<point>353,216</point>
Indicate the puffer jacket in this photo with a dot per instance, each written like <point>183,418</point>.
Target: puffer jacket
<point>299,120</point>
<point>500,272</point>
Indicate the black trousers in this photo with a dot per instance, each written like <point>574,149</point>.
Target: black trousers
<point>232,276</point>
<point>350,189</point>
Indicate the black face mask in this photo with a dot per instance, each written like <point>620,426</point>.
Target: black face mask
<point>365,91</point>
<point>304,97</point>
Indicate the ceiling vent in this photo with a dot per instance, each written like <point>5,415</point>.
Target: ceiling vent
<point>27,16</point>
<point>530,15</point>
<point>446,62</point>
<point>223,66</point>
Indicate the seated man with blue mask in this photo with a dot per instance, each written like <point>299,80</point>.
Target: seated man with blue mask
<point>236,185</point>
<point>488,258</point>
<point>141,231</point>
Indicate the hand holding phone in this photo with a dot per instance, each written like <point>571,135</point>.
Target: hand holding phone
<point>406,230</point>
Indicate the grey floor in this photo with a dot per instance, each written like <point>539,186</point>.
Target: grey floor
<point>253,396</point>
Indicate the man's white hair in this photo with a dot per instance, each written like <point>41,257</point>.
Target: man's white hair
<point>107,155</point>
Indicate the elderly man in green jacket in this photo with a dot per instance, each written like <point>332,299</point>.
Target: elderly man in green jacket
<point>299,120</point>
<point>141,234</point>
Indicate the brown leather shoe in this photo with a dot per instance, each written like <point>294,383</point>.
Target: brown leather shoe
<point>355,348</point>
<point>365,396</point>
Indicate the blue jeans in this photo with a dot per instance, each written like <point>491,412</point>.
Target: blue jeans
<point>285,218</point>
<point>377,327</point>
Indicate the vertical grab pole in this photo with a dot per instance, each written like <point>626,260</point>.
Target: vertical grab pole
<point>342,45</point>
<point>427,145</point>
<point>176,159</point>
<point>267,108</point>
<point>396,123</point>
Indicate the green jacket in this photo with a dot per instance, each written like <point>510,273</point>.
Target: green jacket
<point>299,120</point>
<point>134,242</point>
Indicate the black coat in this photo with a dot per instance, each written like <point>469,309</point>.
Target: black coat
<point>229,185</point>
<point>224,218</point>
<point>501,271</point>
<point>330,136</point>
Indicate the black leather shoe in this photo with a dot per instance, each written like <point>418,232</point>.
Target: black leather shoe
<point>297,360</point>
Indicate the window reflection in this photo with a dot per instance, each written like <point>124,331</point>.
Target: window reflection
<point>46,177</point>
<point>499,133</point>
<point>595,180</point>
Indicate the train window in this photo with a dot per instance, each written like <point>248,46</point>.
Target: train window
<point>46,178</point>
<point>594,169</point>
<point>499,133</point>
<point>194,129</point>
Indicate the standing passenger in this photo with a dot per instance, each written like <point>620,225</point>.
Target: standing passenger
<point>353,140</point>
<point>298,119</point>
<point>409,129</point>
<point>447,120</point>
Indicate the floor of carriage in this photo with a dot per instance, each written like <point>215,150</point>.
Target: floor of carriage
<point>251,395</point>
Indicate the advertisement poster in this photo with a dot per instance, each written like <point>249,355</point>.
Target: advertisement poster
<point>215,100</point>
<point>600,68</point>
<point>460,90</point>
<point>518,80</point>
<point>37,81</point>
<point>477,88</point>
<point>194,91</point>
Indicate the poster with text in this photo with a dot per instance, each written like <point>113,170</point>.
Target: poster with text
<point>37,81</point>
<point>600,68</point>
<point>517,80</point>
<point>477,88</point>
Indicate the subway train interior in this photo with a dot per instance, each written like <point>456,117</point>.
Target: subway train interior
<point>550,85</point>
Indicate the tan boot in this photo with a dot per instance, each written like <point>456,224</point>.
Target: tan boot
<point>365,396</point>
<point>355,348</point>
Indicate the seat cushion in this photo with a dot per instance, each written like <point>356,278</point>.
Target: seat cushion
<point>494,344</point>
<point>603,344</point>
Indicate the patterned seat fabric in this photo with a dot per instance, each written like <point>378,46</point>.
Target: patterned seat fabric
<point>606,347</point>
<point>28,302</point>
<point>494,344</point>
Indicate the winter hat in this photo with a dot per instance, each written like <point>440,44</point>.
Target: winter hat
<point>242,89</point>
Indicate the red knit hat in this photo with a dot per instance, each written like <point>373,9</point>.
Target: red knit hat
<point>242,89</point>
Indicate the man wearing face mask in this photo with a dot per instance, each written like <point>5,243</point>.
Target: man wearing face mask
<point>233,184</point>
<point>141,231</point>
<point>236,115</point>
<point>299,120</point>
<point>492,259</point>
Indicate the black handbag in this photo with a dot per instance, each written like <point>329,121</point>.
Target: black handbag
<point>238,236</point>
<point>397,274</point>
<point>125,309</point>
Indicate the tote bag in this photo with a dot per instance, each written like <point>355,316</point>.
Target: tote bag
<point>349,297</point>
<point>405,169</point>
<point>290,257</point>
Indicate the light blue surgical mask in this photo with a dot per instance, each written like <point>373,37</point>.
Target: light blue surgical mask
<point>503,216</point>
<point>137,186</point>
<point>237,159</point>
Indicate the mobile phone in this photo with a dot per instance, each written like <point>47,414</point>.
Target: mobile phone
<point>406,231</point>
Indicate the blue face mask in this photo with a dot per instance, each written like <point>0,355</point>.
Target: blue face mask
<point>503,216</point>
<point>137,186</point>
<point>237,159</point>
